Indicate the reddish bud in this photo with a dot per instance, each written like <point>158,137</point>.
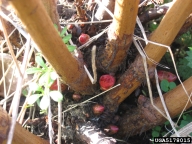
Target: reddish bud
<point>111,129</point>
<point>166,75</point>
<point>98,109</point>
<point>76,97</point>
<point>70,27</point>
<point>83,38</point>
<point>106,82</point>
<point>54,86</point>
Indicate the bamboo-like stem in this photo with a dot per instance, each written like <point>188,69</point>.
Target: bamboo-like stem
<point>37,22</point>
<point>146,116</point>
<point>119,35</point>
<point>168,29</point>
<point>20,135</point>
<point>124,18</point>
<point>51,8</point>
<point>164,34</point>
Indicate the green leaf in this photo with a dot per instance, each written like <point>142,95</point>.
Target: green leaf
<point>155,133</point>
<point>153,25</point>
<point>188,58</point>
<point>186,39</point>
<point>167,1</point>
<point>184,117</point>
<point>167,123</point>
<point>189,53</point>
<point>39,60</point>
<point>35,87</point>
<point>183,123</point>
<point>164,85</point>
<point>56,27</point>
<point>56,96</point>
<point>188,118</point>
<point>190,48</point>
<point>67,38</point>
<point>43,79</point>
<point>172,85</point>
<point>42,112</point>
<point>184,71</point>
<point>25,92</point>
<point>33,70</point>
<point>38,102</point>
<point>189,64</point>
<point>143,92</point>
<point>158,128</point>
<point>50,82</point>
<point>71,48</point>
<point>63,31</point>
<point>33,98</point>
<point>44,103</point>
<point>53,75</point>
<point>163,133</point>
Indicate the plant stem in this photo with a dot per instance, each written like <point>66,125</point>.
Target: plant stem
<point>37,22</point>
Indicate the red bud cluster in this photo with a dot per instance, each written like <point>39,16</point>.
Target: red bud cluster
<point>83,38</point>
<point>111,129</point>
<point>106,81</point>
<point>98,109</point>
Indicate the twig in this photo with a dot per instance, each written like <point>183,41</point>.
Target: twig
<point>33,117</point>
<point>91,22</point>
<point>12,94</point>
<point>16,98</point>
<point>93,55</point>
<point>14,24</point>
<point>59,114</point>
<point>51,132</point>
<point>142,29</point>
<point>105,8</point>
<point>25,122</point>
<point>146,41</point>
<point>11,81</point>
<point>25,60</point>
<point>10,84</point>
<point>88,74</point>
<point>143,3</point>
<point>10,47</point>
<point>6,72</point>
<point>93,12</point>
<point>147,76</point>
<point>3,71</point>
<point>22,112</point>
